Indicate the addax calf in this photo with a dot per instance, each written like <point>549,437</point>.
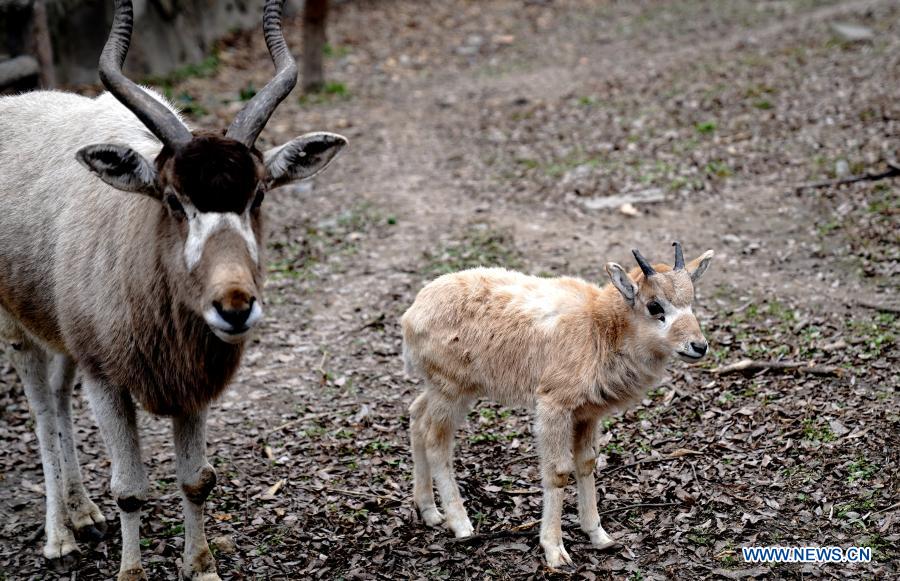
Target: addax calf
<point>569,349</point>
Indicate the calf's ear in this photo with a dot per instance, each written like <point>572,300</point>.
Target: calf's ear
<point>699,265</point>
<point>620,279</point>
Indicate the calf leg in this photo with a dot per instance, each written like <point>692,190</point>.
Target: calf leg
<point>86,518</point>
<point>197,479</point>
<point>585,459</point>
<point>115,414</point>
<point>31,362</point>
<point>554,434</point>
<point>444,416</point>
<point>423,483</point>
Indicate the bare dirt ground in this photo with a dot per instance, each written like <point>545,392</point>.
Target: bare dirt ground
<point>493,132</point>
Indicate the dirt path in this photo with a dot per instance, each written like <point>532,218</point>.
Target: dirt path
<point>482,132</point>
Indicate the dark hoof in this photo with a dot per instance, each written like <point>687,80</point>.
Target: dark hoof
<point>132,575</point>
<point>64,564</point>
<point>91,533</point>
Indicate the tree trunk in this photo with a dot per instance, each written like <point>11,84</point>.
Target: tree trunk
<point>315,13</point>
<point>43,49</point>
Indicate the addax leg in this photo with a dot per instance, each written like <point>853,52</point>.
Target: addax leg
<point>423,484</point>
<point>86,518</point>
<point>31,362</point>
<point>197,479</point>
<point>115,414</point>
<point>554,434</point>
<point>444,416</point>
<point>585,460</point>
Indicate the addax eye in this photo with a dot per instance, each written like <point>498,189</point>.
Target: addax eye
<point>175,205</point>
<point>655,310</point>
<point>258,200</point>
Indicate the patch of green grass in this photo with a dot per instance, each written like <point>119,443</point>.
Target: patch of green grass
<point>480,245</point>
<point>780,311</point>
<point>706,127</point>
<point>186,103</point>
<point>763,104</point>
<point>759,90</point>
<point>270,540</point>
<point>828,227</point>
<point>880,546</point>
<point>814,431</point>
<point>719,169</point>
<point>860,470</point>
<point>173,530</point>
<point>205,68</point>
<point>562,166</point>
<point>614,448</point>
<point>332,91</point>
<point>698,538</point>
<point>333,237</point>
<point>528,163</point>
<point>875,335</point>
<point>344,434</point>
<point>482,437</point>
<point>378,446</point>
<point>335,51</point>
<point>492,415</point>
<point>247,92</point>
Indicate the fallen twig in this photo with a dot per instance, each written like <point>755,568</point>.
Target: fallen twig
<point>517,459</point>
<point>892,170</point>
<point>749,365</point>
<point>34,536</point>
<point>891,507</point>
<point>639,505</point>
<point>680,453</point>
<point>527,529</point>
<point>296,421</point>
<point>353,493</point>
<point>322,368</point>
<point>878,307</point>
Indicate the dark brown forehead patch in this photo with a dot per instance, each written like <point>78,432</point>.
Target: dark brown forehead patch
<point>674,286</point>
<point>216,174</point>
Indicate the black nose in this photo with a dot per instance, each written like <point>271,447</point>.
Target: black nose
<point>235,317</point>
<point>699,348</point>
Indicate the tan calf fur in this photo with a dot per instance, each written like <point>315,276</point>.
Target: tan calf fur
<point>567,348</point>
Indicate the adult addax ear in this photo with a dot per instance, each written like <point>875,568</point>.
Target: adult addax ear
<point>698,266</point>
<point>620,279</point>
<point>303,157</point>
<point>121,167</point>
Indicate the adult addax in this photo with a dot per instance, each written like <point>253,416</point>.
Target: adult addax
<point>145,272</point>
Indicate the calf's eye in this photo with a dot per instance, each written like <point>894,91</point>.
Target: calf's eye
<point>655,310</point>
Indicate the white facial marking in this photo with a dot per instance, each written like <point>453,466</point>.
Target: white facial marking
<point>202,225</point>
<point>673,314</point>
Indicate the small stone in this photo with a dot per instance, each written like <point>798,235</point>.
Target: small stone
<point>837,428</point>
<point>852,32</point>
<point>841,168</point>
<point>223,544</point>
